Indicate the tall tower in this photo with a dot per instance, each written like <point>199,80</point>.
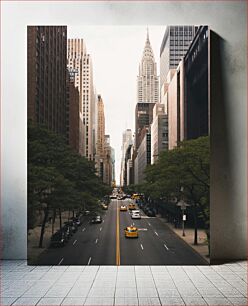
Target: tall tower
<point>100,138</point>
<point>147,80</point>
<point>79,63</point>
<point>46,59</point>
<point>175,44</point>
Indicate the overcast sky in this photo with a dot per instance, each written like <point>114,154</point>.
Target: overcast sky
<point>116,53</point>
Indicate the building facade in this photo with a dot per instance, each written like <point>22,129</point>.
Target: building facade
<point>127,140</point>
<point>175,44</point>
<point>72,115</point>
<point>159,132</point>
<point>143,157</point>
<point>80,64</point>
<point>147,80</point>
<point>143,118</point>
<point>46,80</point>
<point>100,137</point>
<point>176,107</point>
<point>197,95</point>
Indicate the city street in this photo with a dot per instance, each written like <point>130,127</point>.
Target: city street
<point>105,243</point>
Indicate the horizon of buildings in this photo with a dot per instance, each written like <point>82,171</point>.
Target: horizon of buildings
<point>62,96</point>
<point>182,110</point>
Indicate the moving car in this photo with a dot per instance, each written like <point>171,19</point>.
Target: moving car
<point>58,239</point>
<point>131,206</point>
<point>123,208</point>
<point>136,214</point>
<point>131,232</point>
<point>96,219</point>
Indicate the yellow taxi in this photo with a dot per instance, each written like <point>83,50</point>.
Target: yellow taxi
<point>131,232</point>
<point>131,206</point>
<point>123,208</point>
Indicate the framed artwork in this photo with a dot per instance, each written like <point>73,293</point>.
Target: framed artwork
<point>118,144</point>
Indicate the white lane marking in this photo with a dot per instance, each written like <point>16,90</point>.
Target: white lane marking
<point>96,240</point>
<point>74,241</point>
<point>102,221</point>
<point>149,223</point>
<point>61,261</point>
<point>141,246</point>
<point>166,247</point>
<point>100,229</point>
<point>83,229</point>
<point>156,233</point>
<point>142,229</point>
<point>89,261</point>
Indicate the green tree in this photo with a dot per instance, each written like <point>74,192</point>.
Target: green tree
<point>183,173</point>
<point>58,178</point>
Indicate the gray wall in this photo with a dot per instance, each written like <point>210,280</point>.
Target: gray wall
<point>229,142</point>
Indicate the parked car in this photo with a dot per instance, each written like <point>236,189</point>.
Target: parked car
<point>76,220</point>
<point>58,239</point>
<point>68,231</point>
<point>150,213</point>
<point>104,207</point>
<point>72,225</point>
<point>96,219</point>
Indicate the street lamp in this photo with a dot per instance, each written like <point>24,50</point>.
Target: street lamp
<point>183,206</point>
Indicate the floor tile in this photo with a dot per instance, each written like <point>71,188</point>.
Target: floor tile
<point>217,301</point>
<point>164,292</point>
<point>7,301</point>
<point>149,301</point>
<point>239,301</point>
<point>50,301</point>
<point>147,292</point>
<point>126,292</point>
<point>194,301</point>
<point>99,301</point>
<point>73,301</point>
<point>121,301</point>
<point>166,301</point>
<point>101,292</point>
<point>26,301</point>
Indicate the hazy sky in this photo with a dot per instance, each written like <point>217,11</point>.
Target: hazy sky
<point>116,53</point>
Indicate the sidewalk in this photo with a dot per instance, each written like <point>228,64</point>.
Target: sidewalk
<point>201,248</point>
<point>34,235</point>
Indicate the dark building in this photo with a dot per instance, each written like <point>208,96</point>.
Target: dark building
<point>47,60</point>
<point>72,115</point>
<point>174,46</point>
<point>143,118</point>
<point>196,86</point>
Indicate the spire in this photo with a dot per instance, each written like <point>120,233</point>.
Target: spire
<point>147,34</point>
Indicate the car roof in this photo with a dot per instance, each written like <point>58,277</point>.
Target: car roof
<point>131,228</point>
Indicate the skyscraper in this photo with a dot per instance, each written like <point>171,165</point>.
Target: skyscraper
<point>100,137</point>
<point>46,56</point>
<point>127,140</point>
<point>174,46</point>
<point>79,63</point>
<point>147,80</point>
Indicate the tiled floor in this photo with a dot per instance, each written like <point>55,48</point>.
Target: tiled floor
<point>130,285</point>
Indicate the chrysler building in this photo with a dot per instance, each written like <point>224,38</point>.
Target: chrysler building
<point>147,80</point>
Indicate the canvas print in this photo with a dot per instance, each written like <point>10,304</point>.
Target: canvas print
<point>118,145</point>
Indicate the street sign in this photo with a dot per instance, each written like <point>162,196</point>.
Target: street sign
<point>184,217</point>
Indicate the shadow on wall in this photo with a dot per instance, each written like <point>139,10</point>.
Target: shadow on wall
<point>223,225</point>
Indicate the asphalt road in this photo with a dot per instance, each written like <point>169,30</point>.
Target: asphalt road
<point>105,243</point>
